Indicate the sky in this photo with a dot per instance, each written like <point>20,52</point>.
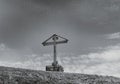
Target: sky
<point>91,26</point>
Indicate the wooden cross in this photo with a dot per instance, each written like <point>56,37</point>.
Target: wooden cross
<point>55,40</point>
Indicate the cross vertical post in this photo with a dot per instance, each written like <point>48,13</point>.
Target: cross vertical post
<point>55,53</point>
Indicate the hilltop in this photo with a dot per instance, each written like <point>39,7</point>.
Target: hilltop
<point>10,75</point>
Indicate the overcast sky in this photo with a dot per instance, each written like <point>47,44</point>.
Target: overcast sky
<point>92,27</point>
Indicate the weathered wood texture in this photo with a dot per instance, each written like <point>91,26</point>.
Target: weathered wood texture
<point>23,76</point>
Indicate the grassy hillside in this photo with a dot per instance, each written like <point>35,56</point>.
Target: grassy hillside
<point>23,76</point>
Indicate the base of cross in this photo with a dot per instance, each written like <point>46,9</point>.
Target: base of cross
<point>55,67</point>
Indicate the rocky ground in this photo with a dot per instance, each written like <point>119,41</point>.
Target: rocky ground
<point>23,76</point>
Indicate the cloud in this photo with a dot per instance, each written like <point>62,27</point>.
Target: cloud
<point>106,62</point>
<point>12,58</point>
<point>113,36</point>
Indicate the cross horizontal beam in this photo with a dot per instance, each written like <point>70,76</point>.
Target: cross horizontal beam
<point>52,43</point>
